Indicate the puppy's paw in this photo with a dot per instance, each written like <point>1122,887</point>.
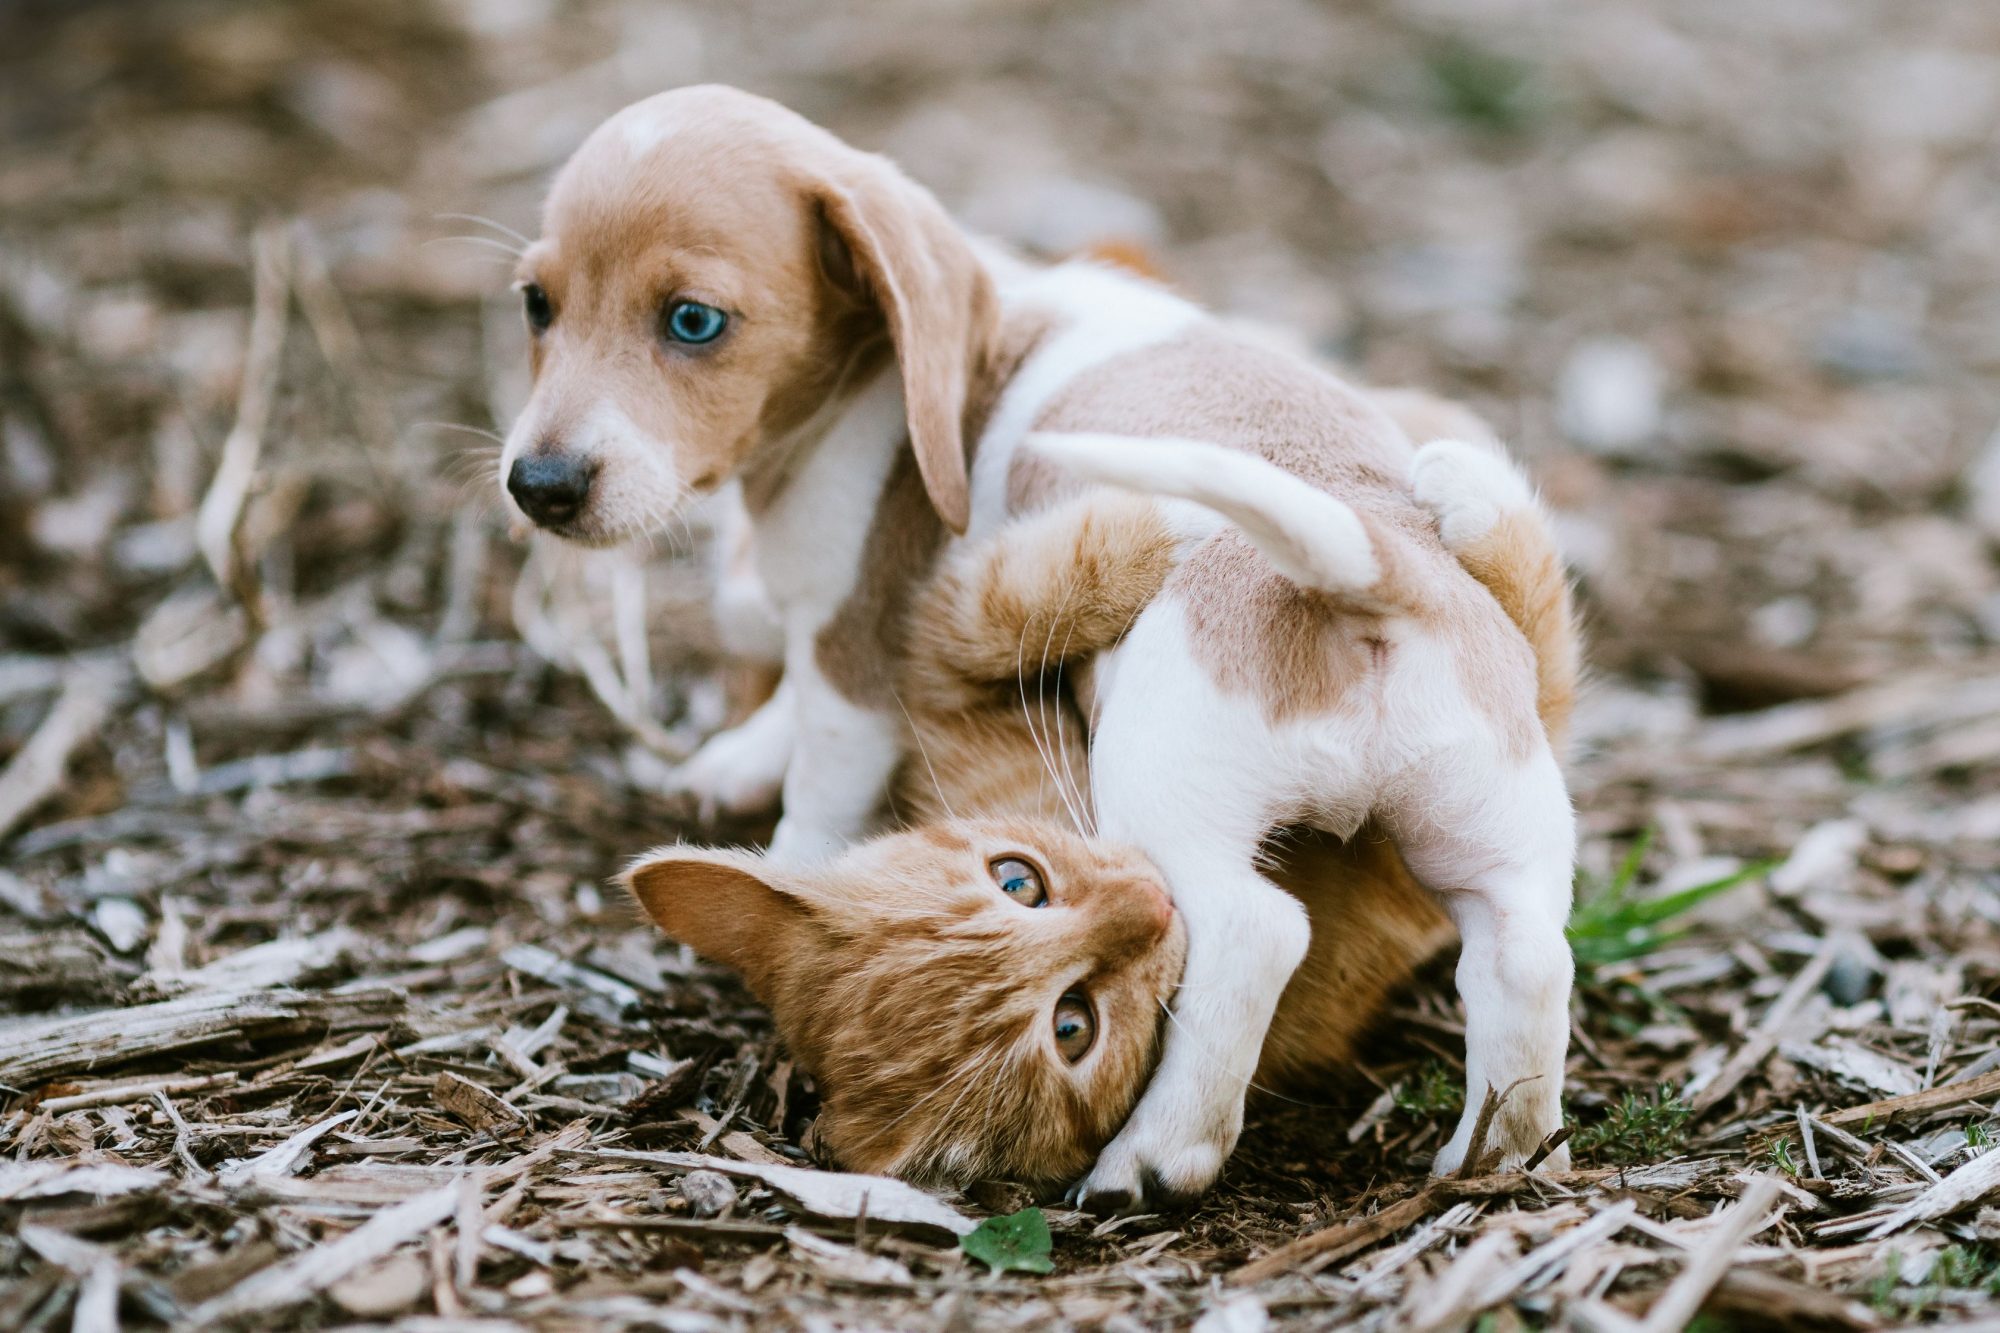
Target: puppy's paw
<point>1448,1159</point>
<point>735,772</point>
<point>1513,1137</point>
<point>1138,1177</point>
<point>1467,488</point>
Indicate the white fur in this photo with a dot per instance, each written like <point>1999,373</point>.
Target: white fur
<point>1103,314</point>
<point>1468,487</point>
<point>636,484</point>
<point>809,541</point>
<point>741,770</point>
<point>1492,836</point>
<point>747,624</point>
<point>1313,539</point>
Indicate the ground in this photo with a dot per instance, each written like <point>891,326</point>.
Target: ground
<point>314,779</point>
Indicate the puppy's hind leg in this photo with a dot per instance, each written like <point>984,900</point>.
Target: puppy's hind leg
<point>1499,850</point>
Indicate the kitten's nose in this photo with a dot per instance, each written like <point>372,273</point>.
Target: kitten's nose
<point>551,486</point>
<point>1163,908</point>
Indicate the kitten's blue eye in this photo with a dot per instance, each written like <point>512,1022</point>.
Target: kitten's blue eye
<point>1075,1026</point>
<point>693,322</point>
<point>1019,880</point>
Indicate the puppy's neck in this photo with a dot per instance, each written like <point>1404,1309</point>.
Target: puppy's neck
<point>813,496</point>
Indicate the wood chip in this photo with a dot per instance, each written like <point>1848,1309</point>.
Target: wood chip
<point>477,1107</point>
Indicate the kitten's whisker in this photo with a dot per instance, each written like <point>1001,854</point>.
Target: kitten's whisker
<point>1046,748</point>
<point>925,752</point>
<point>1083,802</point>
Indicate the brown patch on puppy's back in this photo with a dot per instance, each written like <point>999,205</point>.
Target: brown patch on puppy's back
<point>857,650</point>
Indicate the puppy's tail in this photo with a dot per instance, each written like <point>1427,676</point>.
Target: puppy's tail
<point>1312,538</point>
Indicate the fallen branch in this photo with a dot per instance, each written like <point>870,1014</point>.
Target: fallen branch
<point>41,1049</point>
<point>36,770</point>
<point>220,518</point>
<point>1876,1114</point>
<point>1334,1243</point>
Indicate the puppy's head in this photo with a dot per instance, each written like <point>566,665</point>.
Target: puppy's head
<point>715,274</point>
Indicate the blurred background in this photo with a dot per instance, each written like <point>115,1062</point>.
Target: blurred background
<point>1722,274</point>
<point>272,668</point>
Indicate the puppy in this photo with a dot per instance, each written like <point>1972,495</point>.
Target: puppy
<point>725,291</point>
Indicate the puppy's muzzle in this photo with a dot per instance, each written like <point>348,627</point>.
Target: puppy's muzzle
<point>551,487</point>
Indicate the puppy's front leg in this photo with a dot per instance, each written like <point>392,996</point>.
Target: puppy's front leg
<point>842,758</point>
<point>740,771</point>
<point>1246,937</point>
<point>1184,773</point>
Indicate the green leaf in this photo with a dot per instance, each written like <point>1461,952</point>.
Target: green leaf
<point>1019,1240</point>
<point>1611,926</point>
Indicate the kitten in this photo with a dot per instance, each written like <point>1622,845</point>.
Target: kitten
<point>956,1036</point>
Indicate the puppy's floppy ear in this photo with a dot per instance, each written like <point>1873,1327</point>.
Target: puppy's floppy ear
<point>727,906</point>
<point>888,238</point>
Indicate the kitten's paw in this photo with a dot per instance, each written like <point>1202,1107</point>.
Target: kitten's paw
<point>1467,488</point>
<point>1133,1179</point>
<point>736,772</point>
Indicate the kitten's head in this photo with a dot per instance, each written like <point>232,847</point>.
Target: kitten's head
<point>979,998</point>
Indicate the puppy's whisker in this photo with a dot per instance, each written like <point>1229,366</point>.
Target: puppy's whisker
<point>486,241</point>
<point>492,435</point>
<point>500,227</point>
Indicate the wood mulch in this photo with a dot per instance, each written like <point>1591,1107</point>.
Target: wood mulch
<point>315,1007</point>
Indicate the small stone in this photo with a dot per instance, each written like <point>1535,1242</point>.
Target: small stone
<point>1982,488</point>
<point>1851,976</point>
<point>121,921</point>
<point>1610,396</point>
<point>1868,345</point>
<point>709,1193</point>
<point>383,1289</point>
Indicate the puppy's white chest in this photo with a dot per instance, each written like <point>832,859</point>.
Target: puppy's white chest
<point>810,537</point>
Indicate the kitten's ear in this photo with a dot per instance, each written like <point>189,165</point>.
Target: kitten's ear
<point>727,906</point>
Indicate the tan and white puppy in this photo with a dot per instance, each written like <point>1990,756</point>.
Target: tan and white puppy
<point>725,291</point>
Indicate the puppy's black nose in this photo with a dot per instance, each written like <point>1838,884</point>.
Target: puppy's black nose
<point>551,487</point>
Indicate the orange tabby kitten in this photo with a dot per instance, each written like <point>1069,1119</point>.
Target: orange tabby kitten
<point>956,1036</point>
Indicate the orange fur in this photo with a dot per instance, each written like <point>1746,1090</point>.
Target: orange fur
<point>920,996</point>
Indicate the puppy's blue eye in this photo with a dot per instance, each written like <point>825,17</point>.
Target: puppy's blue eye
<point>693,322</point>
<point>535,303</point>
